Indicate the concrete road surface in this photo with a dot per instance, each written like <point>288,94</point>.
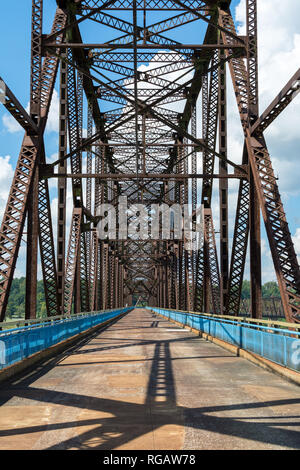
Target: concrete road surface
<point>145,383</point>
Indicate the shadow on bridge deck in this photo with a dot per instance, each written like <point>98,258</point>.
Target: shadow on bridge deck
<point>144,383</point>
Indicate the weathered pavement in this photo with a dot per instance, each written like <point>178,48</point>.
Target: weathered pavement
<point>144,383</point>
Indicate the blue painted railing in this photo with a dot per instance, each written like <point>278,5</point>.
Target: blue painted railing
<point>18,343</point>
<point>277,344</point>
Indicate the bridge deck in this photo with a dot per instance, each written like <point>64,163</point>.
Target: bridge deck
<point>144,383</point>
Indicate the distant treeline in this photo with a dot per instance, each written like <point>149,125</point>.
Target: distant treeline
<point>16,303</point>
<point>269,289</point>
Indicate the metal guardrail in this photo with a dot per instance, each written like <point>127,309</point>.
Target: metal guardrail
<point>244,319</point>
<point>36,321</point>
<point>19,343</point>
<point>278,344</point>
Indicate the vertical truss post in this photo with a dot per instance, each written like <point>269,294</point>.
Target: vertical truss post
<point>98,277</point>
<point>47,249</point>
<point>46,239</point>
<point>62,183</point>
<point>32,247</point>
<point>204,276</point>
<point>200,278</point>
<point>105,267</point>
<point>122,277</point>
<point>89,169</point>
<point>116,293</point>
<point>223,183</point>
<point>72,257</point>
<point>179,198</point>
<point>84,275</point>
<point>210,109</point>
<point>212,267</point>
<point>254,212</point>
<point>36,59</point>
<point>194,201</point>
<point>32,203</point>
<point>94,271</point>
<point>112,277</point>
<point>239,246</point>
<point>77,281</point>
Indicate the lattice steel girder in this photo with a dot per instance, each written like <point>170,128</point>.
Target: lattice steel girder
<point>223,184</point>
<point>91,5</point>
<point>93,270</point>
<point>75,126</point>
<point>210,251</point>
<point>48,76</point>
<point>49,70</point>
<point>286,96</point>
<point>149,111</point>
<point>32,201</point>
<point>151,32</point>
<point>210,135</point>
<point>16,109</point>
<point>184,49</point>
<point>254,209</point>
<point>36,58</point>
<point>47,249</point>
<point>239,247</point>
<point>72,257</point>
<point>84,273</point>
<point>62,186</point>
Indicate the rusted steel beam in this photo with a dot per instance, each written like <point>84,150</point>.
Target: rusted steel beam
<point>160,176</point>
<point>46,240</point>
<point>71,260</point>
<point>93,278</point>
<point>254,210</point>
<point>178,47</point>
<point>239,246</point>
<point>223,184</point>
<point>15,108</point>
<point>62,187</point>
<point>32,202</point>
<point>282,100</point>
<point>84,275</point>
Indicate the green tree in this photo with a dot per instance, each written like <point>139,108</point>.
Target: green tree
<point>16,301</point>
<point>270,289</point>
<point>246,289</point>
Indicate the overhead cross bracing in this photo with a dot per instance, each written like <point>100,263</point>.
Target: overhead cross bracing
<point>143,115</point>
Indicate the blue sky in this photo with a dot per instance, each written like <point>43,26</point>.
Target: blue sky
<point>279,54</point>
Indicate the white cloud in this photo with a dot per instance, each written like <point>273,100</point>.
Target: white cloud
<point>296,240</point>
<point>6,176</point>
<point>10,124</point>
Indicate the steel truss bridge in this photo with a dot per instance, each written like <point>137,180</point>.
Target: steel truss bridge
<point>129,125</point>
